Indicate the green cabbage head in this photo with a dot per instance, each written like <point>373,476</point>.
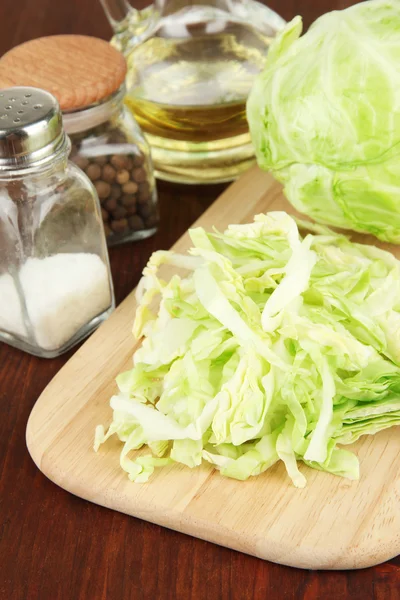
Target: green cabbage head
<point>324,117</point>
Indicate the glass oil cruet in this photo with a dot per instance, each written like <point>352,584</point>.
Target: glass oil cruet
<point>190,69</point>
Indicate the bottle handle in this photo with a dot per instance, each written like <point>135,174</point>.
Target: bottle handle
<point>118,13</point>
<point>129,24</point>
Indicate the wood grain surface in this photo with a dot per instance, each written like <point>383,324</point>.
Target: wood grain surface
<point>79,70</point>
<point>54,546</point>
<point>331,524</point>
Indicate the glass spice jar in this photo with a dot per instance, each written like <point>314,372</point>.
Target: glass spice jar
<point>87,77</point>
<point>115,156</point>
<point>55,282</point>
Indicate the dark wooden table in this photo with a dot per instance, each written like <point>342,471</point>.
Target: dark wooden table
<point>55,546</point>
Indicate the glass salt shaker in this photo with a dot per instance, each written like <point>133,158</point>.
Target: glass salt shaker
<point>87,76</point>
<point>55,282</point>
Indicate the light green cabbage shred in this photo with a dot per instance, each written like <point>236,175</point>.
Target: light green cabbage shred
<point>268,347</point>
<point>324,117</point>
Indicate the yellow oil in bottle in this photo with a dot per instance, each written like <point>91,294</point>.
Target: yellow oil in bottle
<point>189,96</point>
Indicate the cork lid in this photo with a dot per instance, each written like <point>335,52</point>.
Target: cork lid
<point>78,70</point>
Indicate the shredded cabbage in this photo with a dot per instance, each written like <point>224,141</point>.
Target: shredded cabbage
<point>268,347</point>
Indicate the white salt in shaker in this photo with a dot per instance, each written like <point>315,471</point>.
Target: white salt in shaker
<point>55,282</point>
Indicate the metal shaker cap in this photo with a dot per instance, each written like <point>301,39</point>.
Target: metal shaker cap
<point>31,130</point>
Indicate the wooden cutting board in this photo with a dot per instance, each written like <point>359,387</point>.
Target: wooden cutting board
<point>331,524</point>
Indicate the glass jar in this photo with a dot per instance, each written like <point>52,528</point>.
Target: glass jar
<point>87,77</point>
<point>55,282</point>
<point>109,146</point>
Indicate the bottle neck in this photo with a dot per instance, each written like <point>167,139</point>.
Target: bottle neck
<point>87,118</point>
<point>54,168</point>
<point>56,163</point>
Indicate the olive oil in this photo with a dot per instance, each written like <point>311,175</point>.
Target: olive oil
<point>189,96</point>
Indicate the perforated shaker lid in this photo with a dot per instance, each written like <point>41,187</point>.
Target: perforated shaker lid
<point>31,130</point>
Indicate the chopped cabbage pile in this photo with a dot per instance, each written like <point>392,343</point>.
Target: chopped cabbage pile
<point>268,346</point>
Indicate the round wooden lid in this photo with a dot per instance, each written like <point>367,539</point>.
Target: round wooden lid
<point>78,70</point>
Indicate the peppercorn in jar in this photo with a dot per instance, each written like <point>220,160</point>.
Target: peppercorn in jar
<point>87,77</point>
